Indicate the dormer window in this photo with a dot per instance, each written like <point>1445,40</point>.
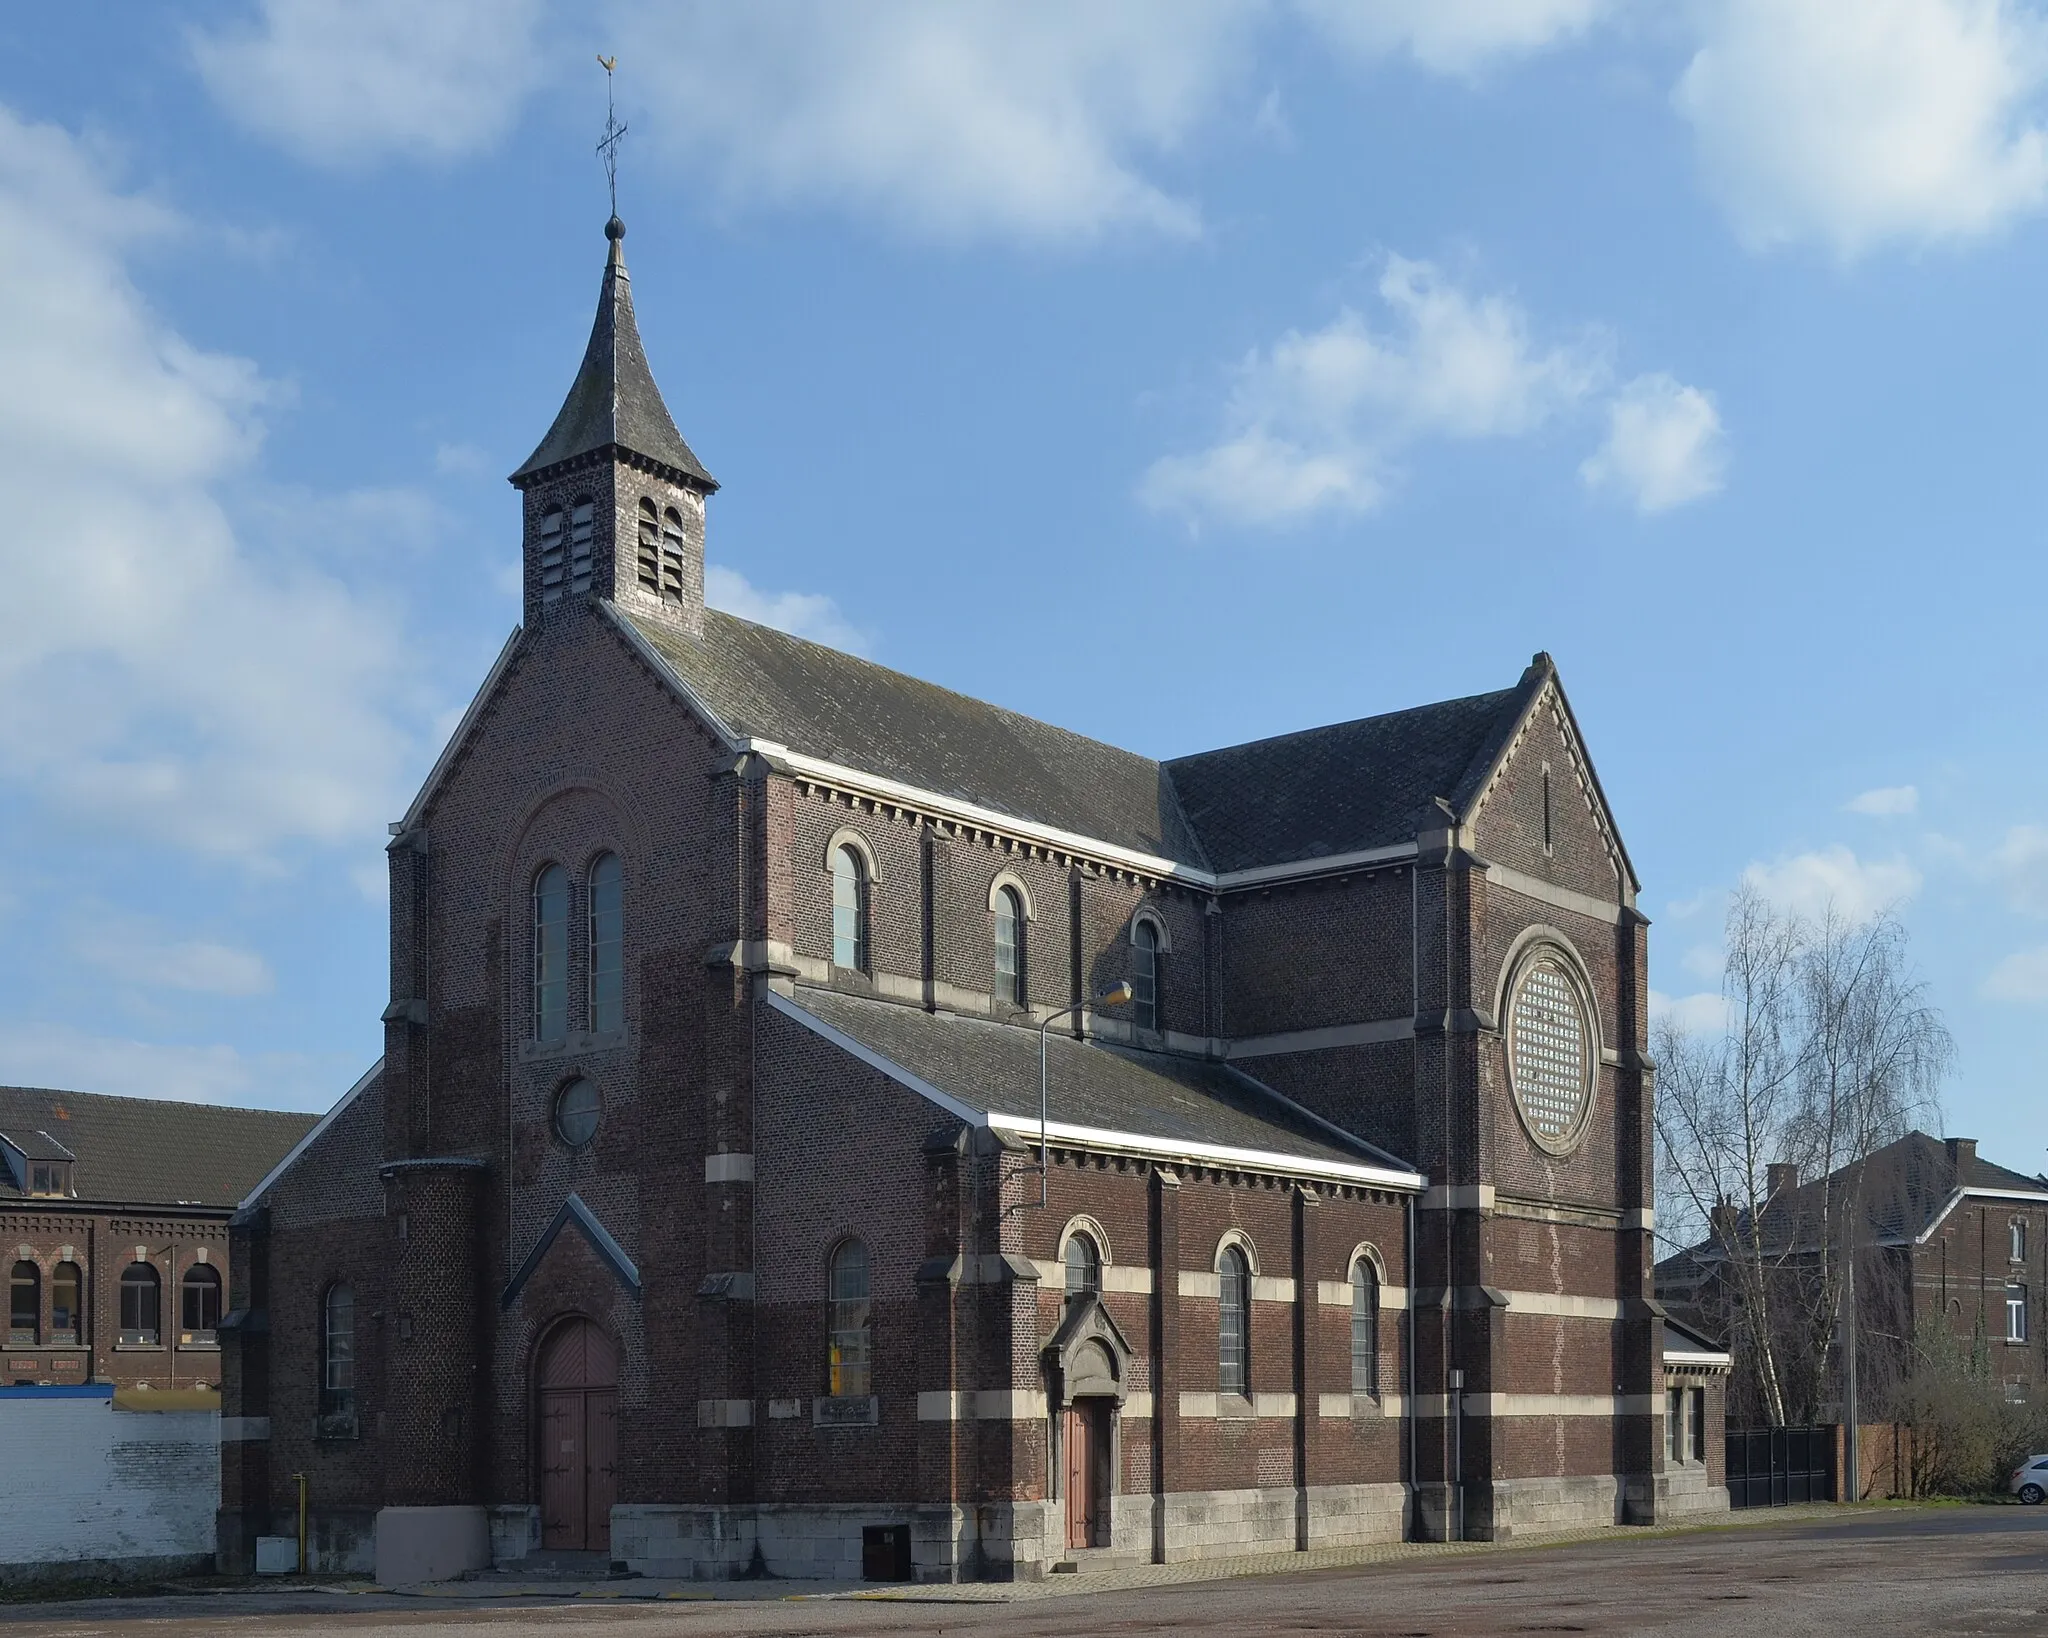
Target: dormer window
<point>50,1178</point>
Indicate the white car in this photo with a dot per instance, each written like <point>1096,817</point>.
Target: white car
<point>2030,1480</point>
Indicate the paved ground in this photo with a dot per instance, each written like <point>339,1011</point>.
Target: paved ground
<point>1954,1570</point>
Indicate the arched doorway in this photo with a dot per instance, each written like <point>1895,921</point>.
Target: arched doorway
<point>578,1406</point>
<point>1088,1446</point>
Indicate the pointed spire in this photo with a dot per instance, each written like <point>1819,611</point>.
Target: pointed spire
<point>613,403</point>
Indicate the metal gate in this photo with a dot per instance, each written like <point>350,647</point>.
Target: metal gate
<point>1781,1467</point>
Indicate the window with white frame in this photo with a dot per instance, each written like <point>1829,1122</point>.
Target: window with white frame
<point>1145,974</point>
<point>1233,1322</point>
<point>849,908</point>
<point>2018,1251</point>
<point>2015,1311</point>
<point>1365,1329</point>
<point>1010,946</point>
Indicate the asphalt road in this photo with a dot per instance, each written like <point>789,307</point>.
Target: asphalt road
<point>1963,1570</point>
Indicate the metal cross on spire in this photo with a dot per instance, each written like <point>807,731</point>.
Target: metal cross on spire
<point>608,147</point>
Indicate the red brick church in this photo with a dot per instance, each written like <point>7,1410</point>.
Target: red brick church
<point>699,1216</point>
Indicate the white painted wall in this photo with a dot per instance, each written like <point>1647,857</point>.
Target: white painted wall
<point>91,1484</point>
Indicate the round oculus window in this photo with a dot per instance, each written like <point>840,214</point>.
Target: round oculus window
<point>576,1112</point>
<point>1550,1053</point>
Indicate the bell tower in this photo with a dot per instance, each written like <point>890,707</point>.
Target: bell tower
<point>614,499</point>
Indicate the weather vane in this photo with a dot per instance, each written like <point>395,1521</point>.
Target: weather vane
<point>608,148</point>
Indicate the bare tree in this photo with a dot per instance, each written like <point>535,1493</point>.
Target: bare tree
<point>1830,1050</point>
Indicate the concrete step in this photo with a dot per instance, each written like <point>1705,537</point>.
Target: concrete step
<point>556,1564</point>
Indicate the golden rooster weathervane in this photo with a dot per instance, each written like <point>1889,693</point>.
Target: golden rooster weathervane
<point>608,147</point>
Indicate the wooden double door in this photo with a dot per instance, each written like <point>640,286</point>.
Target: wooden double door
<point>578,1406</point>
<point>1085,1435</point>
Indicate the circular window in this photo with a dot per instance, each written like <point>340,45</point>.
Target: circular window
<point>576,1113</point>
<point>1550,1052</point>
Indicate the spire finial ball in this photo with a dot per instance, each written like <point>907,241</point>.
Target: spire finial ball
<point>615,230</point>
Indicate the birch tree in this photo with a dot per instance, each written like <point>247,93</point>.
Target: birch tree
<point>1831,1049</point>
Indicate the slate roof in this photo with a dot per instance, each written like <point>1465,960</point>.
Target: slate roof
<point>1158,1096</point>
<point>1349,787</point>
<point>613,402</point>
<point>1345,788</point>
<point>149,1151</point>
<point>766,684</point>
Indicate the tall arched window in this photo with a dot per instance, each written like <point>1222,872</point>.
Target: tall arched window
<point>1233,1322</point>
<point>65,1286</point>
<point>647,559</point>
<point>607,945</point>
<point>1084,1266</point>
<point>338,1351</point>
<point>551,954</point>
<point>1010,946</point>
<point>1365,1329</point>
<point>25,1305</point>
<point>199,1303</point>
<point>849,1344</point>
<point>551,565</point>
<point>582,528</point>
<point>141,1306</point>
<point>1145,975</point>
<point>671,555</point>
<point>849,908</point>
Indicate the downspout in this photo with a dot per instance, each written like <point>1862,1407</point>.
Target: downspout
<point>1414,1475</point>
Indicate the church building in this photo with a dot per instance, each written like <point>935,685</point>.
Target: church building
<point>830,1126</point>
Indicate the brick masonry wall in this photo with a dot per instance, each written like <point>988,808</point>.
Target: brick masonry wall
<point>101,1245</point>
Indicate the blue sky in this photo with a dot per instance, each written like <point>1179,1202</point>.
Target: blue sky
<point>1179,372</point>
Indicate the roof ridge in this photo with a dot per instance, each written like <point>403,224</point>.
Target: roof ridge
<point>1332,727</point>
<point>157,1103</point>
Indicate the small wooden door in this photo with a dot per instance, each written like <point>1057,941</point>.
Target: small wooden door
<point>1086,1438</point>
<point>578,1437</point>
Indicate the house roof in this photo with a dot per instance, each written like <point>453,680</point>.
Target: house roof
<point>1350,787</point>
<point>613,402</point>
<point>1156,1102</point>
<point>1908,1186</point>
<point>149,1151</point>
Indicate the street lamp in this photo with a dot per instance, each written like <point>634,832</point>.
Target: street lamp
<point>1115,998</point>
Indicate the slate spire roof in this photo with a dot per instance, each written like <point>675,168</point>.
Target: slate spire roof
<point>613,404</point>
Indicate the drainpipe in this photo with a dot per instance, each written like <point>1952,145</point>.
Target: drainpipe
<point>1414,1473</point>
<point>300,1479</point>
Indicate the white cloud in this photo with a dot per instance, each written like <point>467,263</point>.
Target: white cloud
<point>1316,422</point>
<point>131,950</point>
<point>1664,445</point>
<point>461,461</point>
<point>1811,883</point>
<point>2021,976</point>
<point>801,614</point>
<point>2020,864</point>
<point>952,119</point>
<point>1703,1013</point>
<point>156,674</point>
<point>1451,36</point>
<point>1857,122</point>
<point>1886,802</point>
<point>61,1056</point>
<point>348,83</point>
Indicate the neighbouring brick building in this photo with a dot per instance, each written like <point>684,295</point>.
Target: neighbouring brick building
<point>695,1215</point>
<point>1945,1240</point>
<point>114,1228</point>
